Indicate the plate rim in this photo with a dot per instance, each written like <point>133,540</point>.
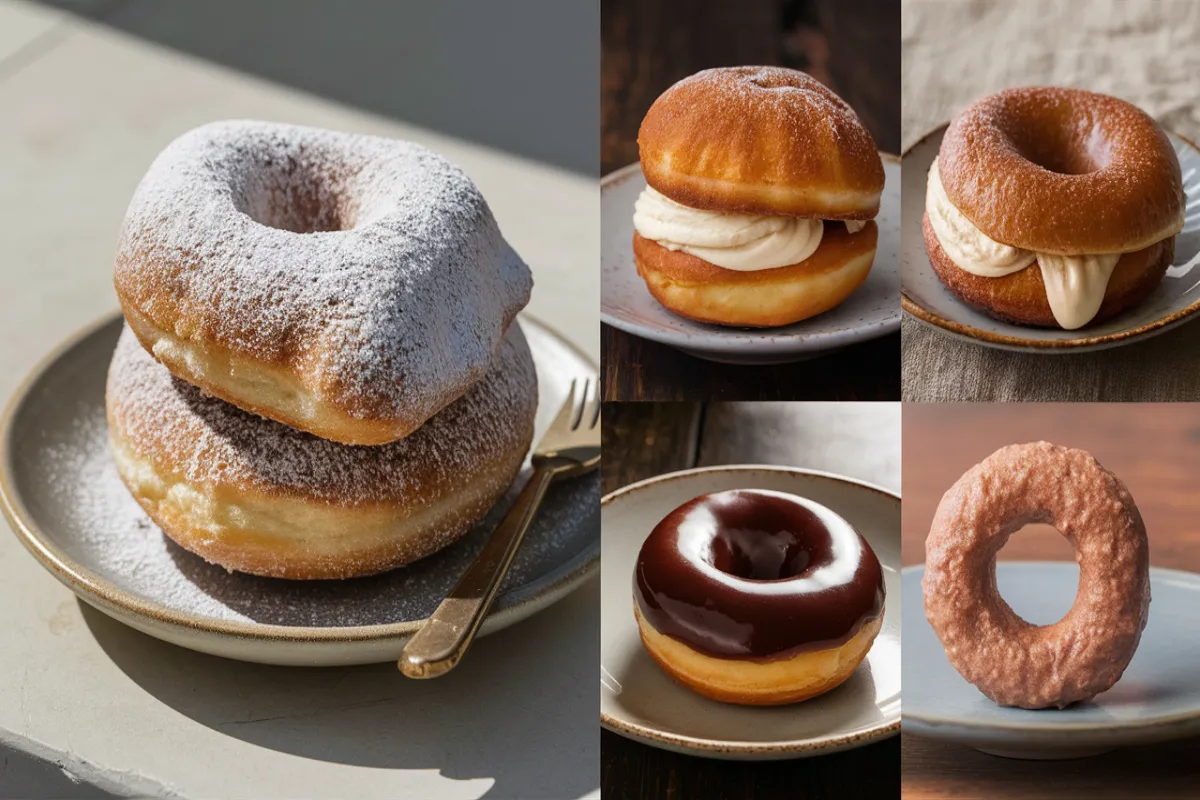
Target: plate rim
<point>734,749</point>
<point>1022,344</point>
<point>818,343</point>
<point>98,591</point>
<point>956,729</point>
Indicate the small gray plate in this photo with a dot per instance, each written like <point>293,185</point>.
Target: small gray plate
<point>625,302</point>
<point>60,490</point>
<point>1176,299</point>
<point>1156,700</point>
<point>639,700</point>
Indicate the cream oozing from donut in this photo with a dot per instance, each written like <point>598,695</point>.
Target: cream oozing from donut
<point>1075,284</point>
<point>742,242</point>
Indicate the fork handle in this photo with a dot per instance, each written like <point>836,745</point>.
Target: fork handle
<point>444,638</point>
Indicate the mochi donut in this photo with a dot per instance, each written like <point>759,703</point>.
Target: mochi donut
<point>257,496</point>
<point>350,286</point>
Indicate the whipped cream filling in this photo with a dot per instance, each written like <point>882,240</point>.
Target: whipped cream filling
<point>743,242</point>
<point>1075,285</point>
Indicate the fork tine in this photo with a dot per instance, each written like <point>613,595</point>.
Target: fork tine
<point>566,414</point>
<point>595,401</point>
<point>581,403</point>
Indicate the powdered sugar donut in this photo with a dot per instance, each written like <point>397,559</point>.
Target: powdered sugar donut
<point>1010,660</point>
<point>256,496</point>
<point>350,286</point>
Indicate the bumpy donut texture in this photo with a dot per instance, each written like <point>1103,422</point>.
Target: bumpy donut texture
<point>1008,659</point>
<point>694,288</point>
<point>1062,171</point>
<point>256,496</point>
<point>757,597</point>
<point>350,286</point>
<point>762,140</point>
<point>1021,296</point>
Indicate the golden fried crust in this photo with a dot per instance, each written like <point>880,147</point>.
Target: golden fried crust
<point>1021,296</point>
<point>760,140</point>
<point>1062,171</point>
<point>754,682</point>
<point>696,289</point>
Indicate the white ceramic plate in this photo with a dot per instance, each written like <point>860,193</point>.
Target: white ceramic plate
<point>639,701</point>
<point>61,492</point>
<point>1175,301</point>
<point>1157,699</point>
<point>625,302</point>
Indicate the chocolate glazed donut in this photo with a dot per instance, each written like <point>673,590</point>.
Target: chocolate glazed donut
<point>751,578</point>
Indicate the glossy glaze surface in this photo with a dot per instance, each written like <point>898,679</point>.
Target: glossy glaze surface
<point>757,574</point>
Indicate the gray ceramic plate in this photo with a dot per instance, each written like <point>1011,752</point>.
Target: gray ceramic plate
<point>1157,699</point>
<point>872,311</point>
<point>61,492</point>
<point>1175,301</point>
<point>638,700</point>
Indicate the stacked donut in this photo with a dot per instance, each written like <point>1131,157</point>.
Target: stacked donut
<point>319,376</point>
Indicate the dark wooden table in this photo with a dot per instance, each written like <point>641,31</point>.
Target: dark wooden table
<point>646,45</point>
<point>646,439</point>
<point>1155,450</point>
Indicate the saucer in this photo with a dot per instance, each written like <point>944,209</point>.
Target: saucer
<point>1156,700</point>
<point>638,700</point>
<point>60,490</point>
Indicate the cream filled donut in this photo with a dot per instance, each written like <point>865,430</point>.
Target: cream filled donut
<point>1014,662</point>
<point>761,188</point>
<point>257,496</point>
<point>757,597</point>
<point>350,286</point>
<point>1054,207</point>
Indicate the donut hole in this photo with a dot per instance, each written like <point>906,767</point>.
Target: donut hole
<point>1064,149</point>
<point>1038,542</point>
<point>297,197</point>
<point>757,555</point>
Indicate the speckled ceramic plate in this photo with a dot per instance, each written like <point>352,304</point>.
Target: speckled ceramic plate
<point>625,302</point>
<point>638,700</point>
<point>60,490</point>
<point>1157,699</point>
<point>1176,300</point>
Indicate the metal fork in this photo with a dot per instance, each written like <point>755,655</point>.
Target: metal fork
<point>570,447</point>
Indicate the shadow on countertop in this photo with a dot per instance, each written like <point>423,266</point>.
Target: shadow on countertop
<point>520,709</point>
<point>519,76</point>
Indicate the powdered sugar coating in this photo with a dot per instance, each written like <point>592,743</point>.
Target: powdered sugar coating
<point>372,268</point>
<point>212,443</point>
<point>1010,660</point>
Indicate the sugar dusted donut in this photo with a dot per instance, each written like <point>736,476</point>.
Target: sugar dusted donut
<point>1053,207</point>
<point>256,496</point>
<point>1010,660</point>
<point>757,597</point>
<point>350,286</point>
<point>762,185</point>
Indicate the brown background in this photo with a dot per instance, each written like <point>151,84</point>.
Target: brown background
<point>641,440</point>
<point>1155,450</point>
<point>853,46</point>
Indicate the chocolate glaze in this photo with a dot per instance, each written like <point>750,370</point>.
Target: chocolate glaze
<point>757,574</point>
